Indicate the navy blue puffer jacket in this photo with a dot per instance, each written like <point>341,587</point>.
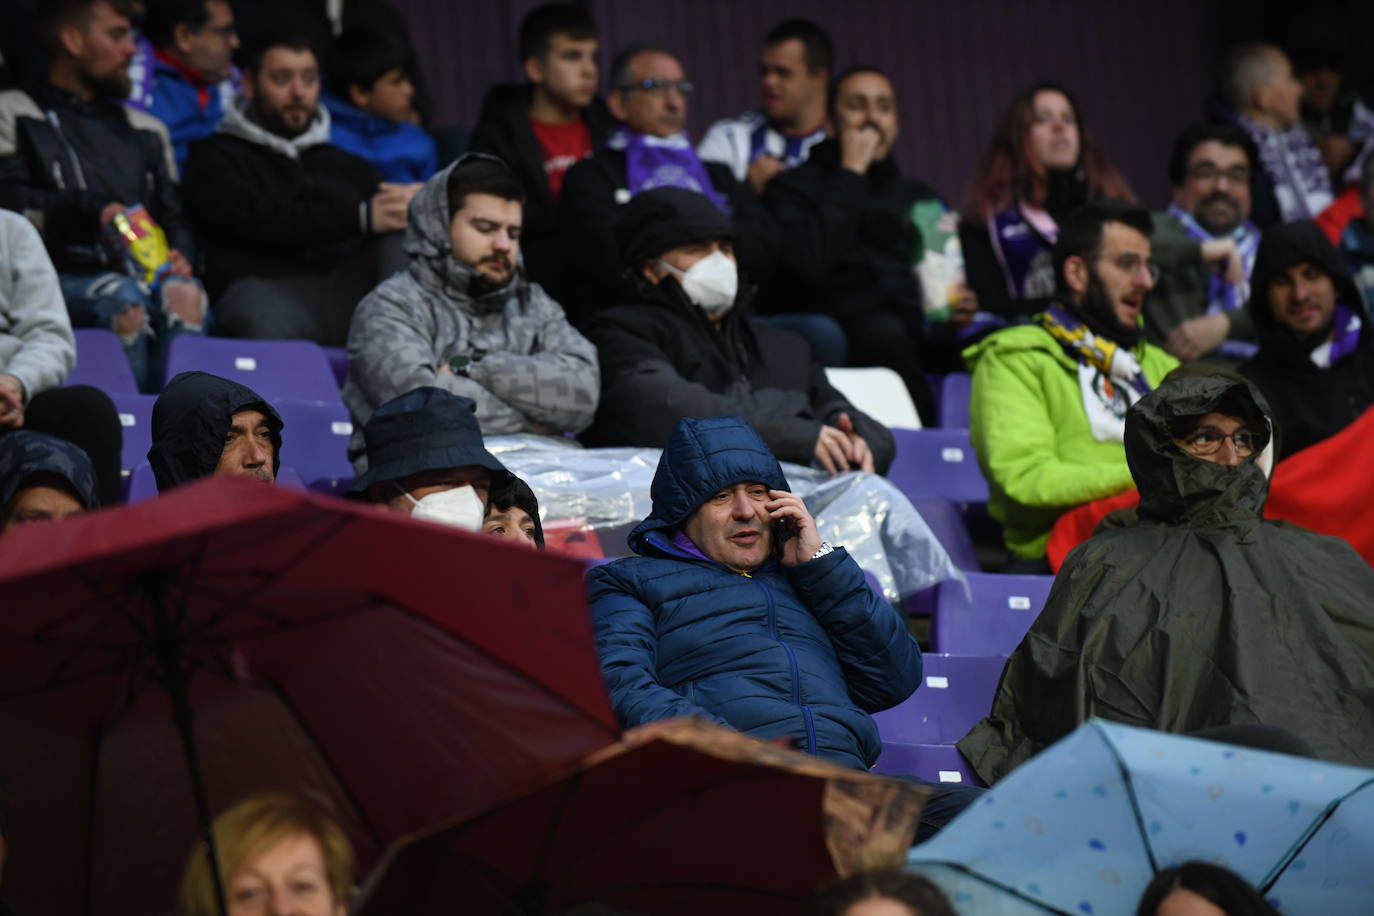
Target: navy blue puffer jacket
<point>805,652</point>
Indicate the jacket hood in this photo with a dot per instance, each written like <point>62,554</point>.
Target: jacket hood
<point>237,124</point>
<point>190,419</point>
<point>24,453</point>
<point>703,457</point>
<point>430,247</point>
<point>659,220</point>
<point>1281,247</point>
<point>1177,487</point>
<point>344,114</point>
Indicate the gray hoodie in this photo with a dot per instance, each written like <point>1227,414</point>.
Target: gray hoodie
<point>36,342</point>
<point>535,372</point>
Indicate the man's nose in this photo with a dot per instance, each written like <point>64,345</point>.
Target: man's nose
<point>500,241</point>
<point>742,506</point>
<point>259,453</point>
<point>1230,455</point>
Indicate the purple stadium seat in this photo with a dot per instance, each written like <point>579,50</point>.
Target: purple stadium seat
<point>276,369</point>
<point>1002,609</point>
<point>955,694</point>
<point>933,762</point>
<point>947,524</point>
<point>136,420</point>
<point>954,396</point>
<point>142,484</point>
<point>101,362</point>
<point>937,462</point>
<point>315,441</point>
<point>338,361</point>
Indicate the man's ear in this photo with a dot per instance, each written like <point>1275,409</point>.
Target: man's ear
<point>73,40</point>
<point>1076,273</point>
<point>652,271</point>
<point>616,103</point>
<point>534,70</point>
<point>250,80</point>
<point>181,38</point>
<point>358,97</point>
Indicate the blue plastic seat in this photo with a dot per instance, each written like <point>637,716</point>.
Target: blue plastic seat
<point>276,369</point>
<point>135,420</point>
<point>315,441</point>
<point>102,362</point>
<point>955,389</point>
<point>992,618</point>
<point>955,694</point>
<point>937,462</point>
<point>932,762</point>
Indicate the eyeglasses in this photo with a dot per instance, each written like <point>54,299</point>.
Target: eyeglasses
<point>1206,440</point>
<point>1130,264</point>
<point>660,85</point>
<point>1207,171</point>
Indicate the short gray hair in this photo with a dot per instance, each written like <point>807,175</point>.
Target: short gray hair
<point>1249,67</point>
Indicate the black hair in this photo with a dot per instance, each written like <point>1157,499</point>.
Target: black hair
<point>1198,134</point>
<point>1318,55</point>
<point>547,20</point>
<point>514,492</point>
<point>1213,883</point>
<point>163,16</point>
<point>834,91</point>
<point>1081,232</point>
<point>481,174</point>
<point>915,891</point>
<point>52,16</point>
<point>620,65</point>
<point>818,49</point>
<point>290,38</point>
<point>359,57</point>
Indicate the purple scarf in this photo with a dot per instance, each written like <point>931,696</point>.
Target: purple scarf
<point>663,162</point>
<point>1024,251</point>
<point>1221,295</point>
<point>794,148</point>
<point>1294,164</point>
<point>1346,338</point>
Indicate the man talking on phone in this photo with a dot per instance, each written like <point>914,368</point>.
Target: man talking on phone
<point>736,610</point>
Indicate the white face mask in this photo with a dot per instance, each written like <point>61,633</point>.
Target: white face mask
<point>710,283</point>
<point>459,507</point>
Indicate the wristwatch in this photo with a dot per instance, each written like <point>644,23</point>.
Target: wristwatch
<point>826,547</point>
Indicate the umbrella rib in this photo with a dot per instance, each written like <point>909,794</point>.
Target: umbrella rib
<point>1135,803</point>
<point>1277,872</point>
<point>99,738</point>
<point>565,802</point>
<point>997,885</point>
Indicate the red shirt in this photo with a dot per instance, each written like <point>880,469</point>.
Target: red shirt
<point>563,145</point>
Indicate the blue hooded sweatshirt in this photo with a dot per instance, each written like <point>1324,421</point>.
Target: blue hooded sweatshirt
<point>402,152</point>
<point>805,651</point>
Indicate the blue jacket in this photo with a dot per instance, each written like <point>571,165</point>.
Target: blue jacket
<point>401,152</point>
<point>805,652</point>
<point>176,103</point>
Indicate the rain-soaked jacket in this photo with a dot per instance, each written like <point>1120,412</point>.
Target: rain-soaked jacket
<point>1200,615</point>
<point>190,420</point>
<point>527,369</point>
<point>805,651</point>
<point>24,453</point>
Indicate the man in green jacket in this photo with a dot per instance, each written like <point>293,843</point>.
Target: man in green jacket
<point>1049,398</point>
<point>1205,247</point>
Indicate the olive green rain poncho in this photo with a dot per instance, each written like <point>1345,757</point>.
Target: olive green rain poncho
<point>1201,614</point>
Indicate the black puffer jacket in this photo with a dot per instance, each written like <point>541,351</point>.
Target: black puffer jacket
<point>190,420</point>
<point>1202,614</point>
<point>1309,403</point>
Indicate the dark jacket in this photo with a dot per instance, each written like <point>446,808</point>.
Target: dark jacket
<point>24,453</point>
<point>805,652</point>
<point>1309,403</point>
<point>588,208</point>
<point>848,241</point>
<point>265,212</point>
<point>663,360</point>
<point>63,159</point>
<point>190,420</point>
<point>1202,614</point>
<point>503,130</point>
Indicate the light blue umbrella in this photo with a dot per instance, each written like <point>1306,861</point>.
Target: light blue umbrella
<point>1082,828</point>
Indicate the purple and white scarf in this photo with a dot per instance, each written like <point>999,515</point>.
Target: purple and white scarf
<point>1294,164</point>
<point>1343,342</point>
<point>766,140</point>
<point>663,162</point>
<point>1223,296</point>
<point>1109,375</point>
<point>1022,237</point>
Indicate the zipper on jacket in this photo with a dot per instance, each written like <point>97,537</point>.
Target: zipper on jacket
<point>71,153</point>
<point>792,661</point>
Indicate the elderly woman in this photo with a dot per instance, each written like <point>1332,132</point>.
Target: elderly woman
<point>1201,614</point>
<point>277,854</point>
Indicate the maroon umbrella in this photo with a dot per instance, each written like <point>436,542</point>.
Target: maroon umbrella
<point>232,638</point>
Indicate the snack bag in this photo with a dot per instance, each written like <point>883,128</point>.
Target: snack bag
<point>139,244</point>
<point>939,264</point>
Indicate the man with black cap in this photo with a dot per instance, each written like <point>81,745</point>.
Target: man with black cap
<point>205,425</point>
<point>425,458</point>
<point>690,349</point>
<point>1315,364</point>
<point>43,478</point>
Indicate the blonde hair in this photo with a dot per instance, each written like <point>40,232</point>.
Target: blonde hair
<point>249,829</point>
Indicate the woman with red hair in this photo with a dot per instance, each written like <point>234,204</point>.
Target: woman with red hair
<point>1042,166</point>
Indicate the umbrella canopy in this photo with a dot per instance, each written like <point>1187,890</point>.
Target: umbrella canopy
<point>395,671</point>
<point>1081,828</point>
<point>681,817</point>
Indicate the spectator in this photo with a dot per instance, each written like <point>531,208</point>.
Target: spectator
<point>76,161</point>
<point>513,514</point>
<point>543,127</point>
<point>691,348</point>
<point>1198,888</point>
<point>849,242</point>
<point>300,228</point>
<point>1315,364</point>
<point>277,854</point>
<point>42,478</point>
<point>650,149</point>
<point>1260,93</point>
<point>1205,247</point>
<point>1200,615</point>
<point>1357,238</point>
<point>461,317</point>
<point>193,72</point>
<point>37,351</point>
<point>880,893</point>
<point>1336,118</point>
<point>205,425</point>
<point>1049,399</point>
<point>1042,166</point>
<point>370,106</point>
<point>680,627</point>
<point>794,70</point>
<point>425,458</point>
